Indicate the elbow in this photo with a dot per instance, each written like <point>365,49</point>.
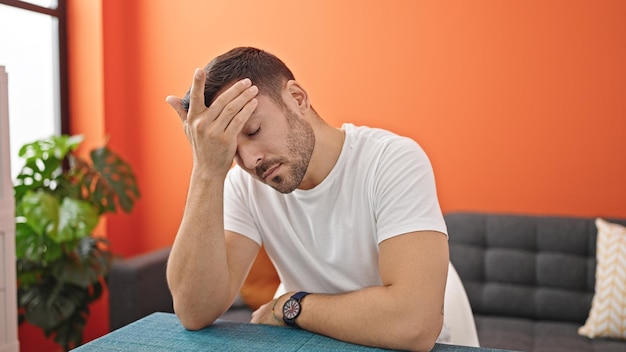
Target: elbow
<point>193,321</point>
<point>419,342</point>
<point>422,335</point>
<point>193,318</point>
<point>197,312</point>
<point>193,325</point>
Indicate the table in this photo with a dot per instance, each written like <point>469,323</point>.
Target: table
<point>163,332</point>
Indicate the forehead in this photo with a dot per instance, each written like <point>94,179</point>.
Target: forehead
<point>266,108</point>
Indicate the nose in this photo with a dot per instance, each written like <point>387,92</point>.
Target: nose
<point>249,155</point>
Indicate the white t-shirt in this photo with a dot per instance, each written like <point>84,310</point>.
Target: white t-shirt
<point>325,240</point>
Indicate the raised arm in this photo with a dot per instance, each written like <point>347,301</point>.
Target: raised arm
<point>207,266</point>
<point>405,313</point>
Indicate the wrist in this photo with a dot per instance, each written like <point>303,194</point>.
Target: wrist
<point>208,175</point>
<point>277,307</point>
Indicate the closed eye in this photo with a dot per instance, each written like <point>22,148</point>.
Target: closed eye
<point>255,132</point>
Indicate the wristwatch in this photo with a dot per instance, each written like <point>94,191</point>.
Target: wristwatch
<point>292,308</point>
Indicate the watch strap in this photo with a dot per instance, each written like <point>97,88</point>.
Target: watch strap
<point>298,296</point>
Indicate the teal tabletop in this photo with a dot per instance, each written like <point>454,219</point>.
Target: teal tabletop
<point>163,332</point>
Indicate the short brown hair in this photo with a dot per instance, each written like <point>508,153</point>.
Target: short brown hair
<point>265,70</point>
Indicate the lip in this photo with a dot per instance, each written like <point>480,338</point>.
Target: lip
<point>271,172</point>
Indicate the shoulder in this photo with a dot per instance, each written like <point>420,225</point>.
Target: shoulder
<point>381,144</point>
<point>376,137</point>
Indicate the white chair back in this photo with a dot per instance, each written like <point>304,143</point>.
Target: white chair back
<point>458,317</point>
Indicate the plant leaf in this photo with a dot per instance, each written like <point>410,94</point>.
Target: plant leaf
<point>32,247</point>
<point>70,334</point>
<point>114,184</point>
<point>54,146</point>
<point>88,263</point>
<point>95,252</point>
<point>41,211</point>
<point>97,290</point>
<point>43,162</point>
<point>77,219</point>
<point>47,304</point>
<point>72,220</point>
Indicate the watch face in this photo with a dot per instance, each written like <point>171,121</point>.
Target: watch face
<point>291,309</point>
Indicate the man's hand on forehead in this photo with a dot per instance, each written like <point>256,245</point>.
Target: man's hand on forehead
<point>212,131</point>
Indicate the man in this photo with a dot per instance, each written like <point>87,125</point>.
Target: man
<point>349,216</point>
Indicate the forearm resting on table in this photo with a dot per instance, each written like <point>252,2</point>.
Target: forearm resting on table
<point>406,312</point>
<point>376,316</point>
<point>198,272</point>
<point>202,296</point>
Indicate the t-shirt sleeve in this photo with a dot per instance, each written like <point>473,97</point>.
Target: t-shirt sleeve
<point>405,192</point>
<point>237,214</point>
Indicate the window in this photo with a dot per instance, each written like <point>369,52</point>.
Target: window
<point>32,50</point>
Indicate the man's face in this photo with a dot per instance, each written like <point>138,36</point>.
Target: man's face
<point>275,146</point>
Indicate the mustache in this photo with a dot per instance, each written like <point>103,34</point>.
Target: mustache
<point>261,169</point>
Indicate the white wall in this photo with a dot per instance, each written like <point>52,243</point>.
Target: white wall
<point>8,299</point>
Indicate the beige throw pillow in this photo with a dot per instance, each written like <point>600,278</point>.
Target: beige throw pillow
<point>607,317</point>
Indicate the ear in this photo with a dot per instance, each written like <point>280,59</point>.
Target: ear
<point>298,96</point>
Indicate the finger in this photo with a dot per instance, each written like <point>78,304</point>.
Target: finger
<point>196,93</point>
<point>230,94</point>
<point>254,318</point>
<point>235,125</point>
<point>177,104</point>
<point>241,107</point>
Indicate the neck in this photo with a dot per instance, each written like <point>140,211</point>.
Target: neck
<point>328,144</point>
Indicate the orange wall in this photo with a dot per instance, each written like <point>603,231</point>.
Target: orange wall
<point>521,105</point>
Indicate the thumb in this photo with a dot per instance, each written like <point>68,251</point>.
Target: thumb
<point>177,104</point>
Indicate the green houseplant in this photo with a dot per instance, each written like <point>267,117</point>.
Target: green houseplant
<point>61,266</point>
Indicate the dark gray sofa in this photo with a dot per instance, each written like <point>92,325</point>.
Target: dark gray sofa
<point>529,279</point>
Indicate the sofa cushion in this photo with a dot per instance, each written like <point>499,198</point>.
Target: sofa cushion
<point>538,336</point>
<point>607,317</point>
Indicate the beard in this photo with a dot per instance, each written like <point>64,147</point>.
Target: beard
<point>300,145</point>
